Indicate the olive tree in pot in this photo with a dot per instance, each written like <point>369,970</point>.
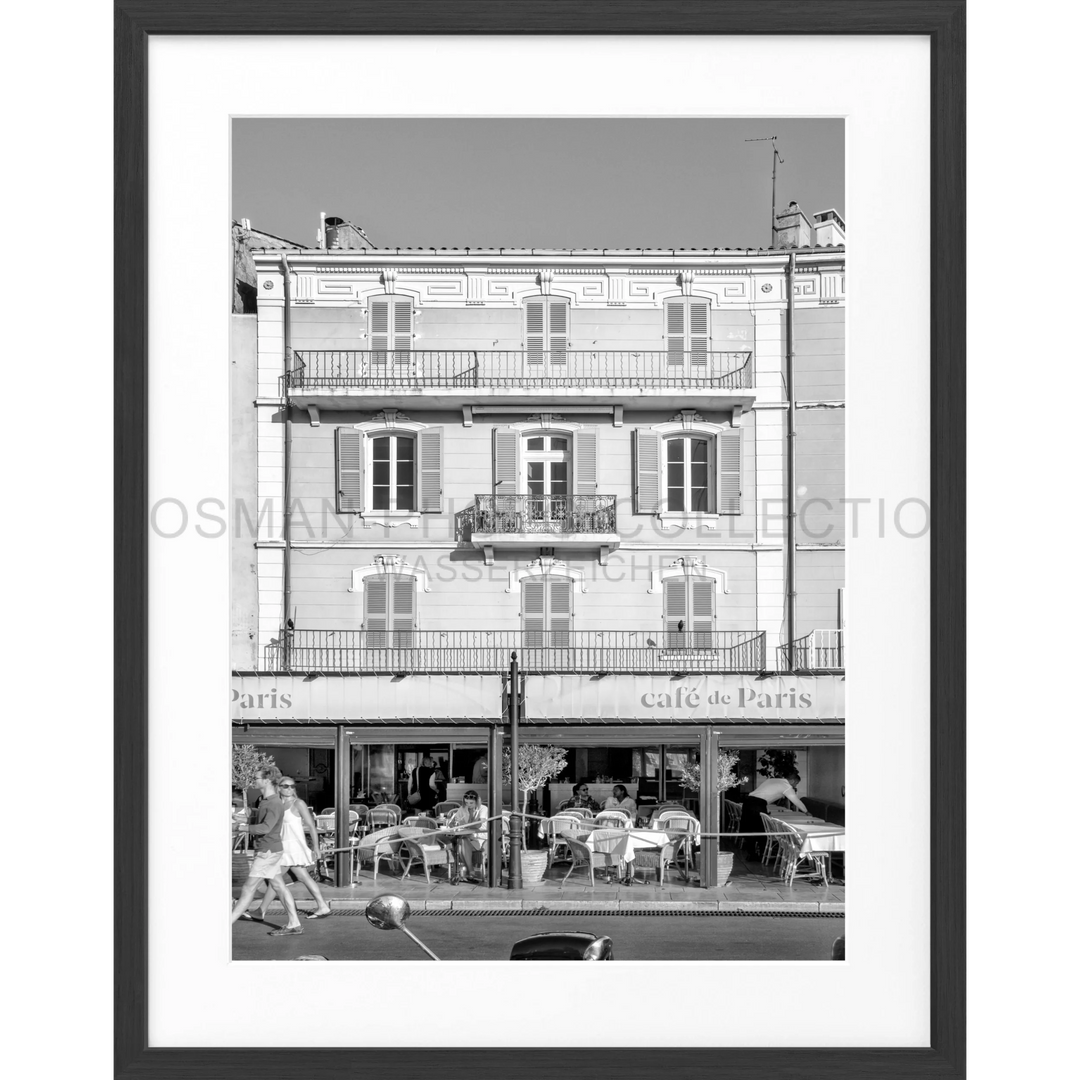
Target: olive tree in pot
<point>537,766</point>
<point>727,777</point>
<point>247,761</point>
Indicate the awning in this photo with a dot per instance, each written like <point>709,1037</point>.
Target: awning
<point>673,699</point>
<point>265,697</point>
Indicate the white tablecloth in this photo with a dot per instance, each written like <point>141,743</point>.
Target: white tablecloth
<point>625,843</point>
<point>823,837</point>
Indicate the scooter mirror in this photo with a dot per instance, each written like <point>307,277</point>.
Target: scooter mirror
<point>388,912</point>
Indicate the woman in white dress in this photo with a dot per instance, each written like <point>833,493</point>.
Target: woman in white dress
<point>296,856</point>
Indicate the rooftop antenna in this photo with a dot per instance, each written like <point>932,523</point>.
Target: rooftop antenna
<point>776,159</point>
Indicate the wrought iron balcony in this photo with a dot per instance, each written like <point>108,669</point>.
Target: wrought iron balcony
<point>488,651</point>
<point>820,650</point>
<point>514,515</point>
<point>345,369</point>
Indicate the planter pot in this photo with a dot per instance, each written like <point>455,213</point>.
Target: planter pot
<point>723,867</point>
<point>533,865</point>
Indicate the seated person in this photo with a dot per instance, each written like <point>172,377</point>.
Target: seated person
<point>619,799</point>
<point>467,845</point>
<point>580,799</point>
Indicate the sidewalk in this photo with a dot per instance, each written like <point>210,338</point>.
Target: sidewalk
<point>751,888</point>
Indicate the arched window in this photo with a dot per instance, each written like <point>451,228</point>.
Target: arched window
<point>389,469</point>
<point>547,614</point>
<point>688,468</point>
<point>389,611</point>
<point>689,612</point>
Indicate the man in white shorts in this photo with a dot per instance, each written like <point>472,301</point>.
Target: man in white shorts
<point>266,865</point>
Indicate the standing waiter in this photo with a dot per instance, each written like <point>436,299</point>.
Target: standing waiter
<point>758,802</point>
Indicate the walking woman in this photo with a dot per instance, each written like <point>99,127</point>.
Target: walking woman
<point>296,855</point>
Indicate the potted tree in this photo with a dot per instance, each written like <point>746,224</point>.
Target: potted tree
<point>727,777</point>
<point>537,766</point>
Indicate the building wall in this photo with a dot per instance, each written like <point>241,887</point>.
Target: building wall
<point>243,563</point>
<point>819,575</point>
<point>468,468</point>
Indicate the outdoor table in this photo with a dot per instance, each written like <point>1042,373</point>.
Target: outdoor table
<point>820,837</point>
<point>627,841</point>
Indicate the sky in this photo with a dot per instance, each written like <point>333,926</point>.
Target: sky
<point>533,182</point>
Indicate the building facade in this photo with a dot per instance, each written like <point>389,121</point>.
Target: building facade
<point>625,466</point>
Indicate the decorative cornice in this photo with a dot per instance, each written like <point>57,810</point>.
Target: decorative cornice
<point>541,567</point>
<point>388,564</point>
<point>694,566</point>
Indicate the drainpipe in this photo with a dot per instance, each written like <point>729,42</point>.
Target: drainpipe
<point>790,375</point>
<point>286,576</point>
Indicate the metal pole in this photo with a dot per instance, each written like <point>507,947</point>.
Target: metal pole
<point>514,881</point>
<point>791,435</point>
<point>495,801</point>
<point>707,810</point>
<point>775,155</point>
<point>342,776</point>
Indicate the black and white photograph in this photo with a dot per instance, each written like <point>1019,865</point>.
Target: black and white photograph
<point>538,519</point>
<point>525,476</point>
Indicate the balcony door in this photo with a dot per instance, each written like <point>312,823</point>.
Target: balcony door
<point>547,620</point>
<point>689,610</point>
<point>547,482</point>
<point>687,323</point>
<point>547,325</point>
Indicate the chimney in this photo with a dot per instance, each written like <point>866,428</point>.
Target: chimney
<point>793,230</point>
<point>828,228</point>
<point>342,235</point>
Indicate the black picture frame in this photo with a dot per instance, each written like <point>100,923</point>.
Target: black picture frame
<point>943,22</point>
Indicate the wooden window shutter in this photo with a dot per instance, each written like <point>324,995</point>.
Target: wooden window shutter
<point>560,613</point>
<point>730,472</point>
<point>402,330</point>
<point>430,452</point>
<point>676,331</point>
<point>350,471</point>
<point>702,613</point>
<point>558,330</point>
<point>584,445</point>
<point>507,461</point>
<point>699,332</point>
<point>376,608</point>
<point>532,610</point>
<point>402,609</point>
<point>379,330</point>
<point>534,331</point>
<point>647,472</point>
<point>675,612</point>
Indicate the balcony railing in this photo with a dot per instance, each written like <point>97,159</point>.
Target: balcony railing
<point>551,514</point>
<point>820,650</point>
<point>519,369</point>
<point>488,651</point>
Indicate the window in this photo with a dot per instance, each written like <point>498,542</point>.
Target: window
<point>539,463</point>
<point>382,471</point>
<point>689,471</point>
<point>389,611</point>
<point>547,475</point>
<point>687,322</point>
<point>393,472</point>
<point>547,329</point>
<point>390,330</point>
<point>546,611</point>
<point>689,608</point>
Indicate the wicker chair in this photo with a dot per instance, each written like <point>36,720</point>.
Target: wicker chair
<point>794,857</point>
<point>428,853</point>
<point>613,819</point>
<point>581,855</point>
<point>657,858</point>
<point>444,807</point>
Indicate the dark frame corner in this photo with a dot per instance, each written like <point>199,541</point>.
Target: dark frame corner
<point>943,21</point>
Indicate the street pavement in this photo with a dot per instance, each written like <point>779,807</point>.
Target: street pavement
<point>453,937</point>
